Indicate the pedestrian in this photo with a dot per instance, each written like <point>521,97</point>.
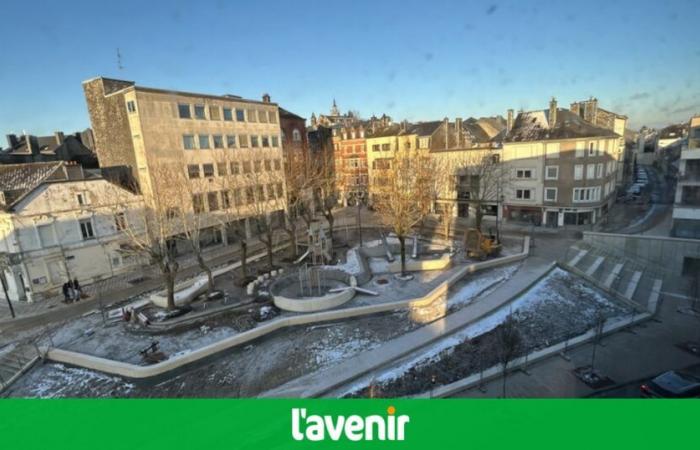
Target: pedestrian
<point>78,291</point>
<point>66,292</point>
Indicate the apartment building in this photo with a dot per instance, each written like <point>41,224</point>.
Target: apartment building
<point>686,208</point>
<point>59,222</point>
<point>141,128</point>
<point>350,163</point>
<point>562,168</point>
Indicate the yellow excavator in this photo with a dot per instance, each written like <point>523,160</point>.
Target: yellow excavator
<point>477,245</point>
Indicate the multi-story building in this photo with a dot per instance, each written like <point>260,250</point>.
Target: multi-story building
<point>60,222</point>
<point>563,169</point>
<point>589,111</point>
<point>350,164</point>
<point>142,128</point>
<point>686,208</point>
<point>295,141</point>
<point>335,118</point>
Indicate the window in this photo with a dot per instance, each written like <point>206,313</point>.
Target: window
<point>599,170</point>
<point>231,140</point>
<point>257,165</point>
<point>424,142</point>
<point>296,135</point>
<point>386,147</point>
<point>254,141</point>
<point>270,191</point>
<point>208,170</point>
<point>275,141</point>
<point>221,169</point>
<point>268,165</point>
<point>240,115</point>
<point>552,150</point>
<point>183,111</point>
<point>243,140</point>
<point>265,141</point>
<point>523,194</point>
<point>131,106</point>
<point>578,172</point>
<point>278,164</point>
<point>86,229</point>
<point>120,221</point>
<point>249,195</point>
<point>218,141</point>
<point>280,191</point>
<point>591,149</point>
<point>203,141</point>
<point>551,173</point>
<point>199,112</point>
<point>193,171</point>
<point>188,142</point>
<point>235,169</point>
<point>214,113</point>
<point>272,115</point>
<point>237,197</point>
<point>198,203</point>
<point>213,200</point>
<point>246,166</point>
<point>260,191</point>
<point>83,198</point>
<point>590,194</point>
<point>225,199</point>
<point>252,115</point>
<point>262,116</point>
<point>580,149</point>
<point>590,171</point>
<point>550,194</point>
<point>375,147</point>
<point>523,173</point>
<point>228,114</point>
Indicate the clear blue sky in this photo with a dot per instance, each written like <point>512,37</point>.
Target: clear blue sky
<point>415,60</point>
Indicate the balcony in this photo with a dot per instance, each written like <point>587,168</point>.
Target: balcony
<point>686,211</point>
<point>691,176</point>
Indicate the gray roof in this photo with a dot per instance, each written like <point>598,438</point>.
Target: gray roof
<point>18,179</point>
<point>536,126</point>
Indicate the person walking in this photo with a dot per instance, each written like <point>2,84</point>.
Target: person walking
<point>77,290</point>
<point>66,292</point>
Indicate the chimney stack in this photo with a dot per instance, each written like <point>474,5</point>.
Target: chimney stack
<point>266,98</point>
<point>552,112</point>
<point>458,131</point>
<point>509,121</point>
<point>59,136</point>
<point>446,125</point>
<point>33,144</point>
<point>590,110</point>
<point>11,140</point>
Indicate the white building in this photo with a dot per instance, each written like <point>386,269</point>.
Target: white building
<point>686,208</point>
<point>59,222</point>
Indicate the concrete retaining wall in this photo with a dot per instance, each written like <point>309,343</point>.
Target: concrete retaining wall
<point>313,304</point>
<point>141,372</point>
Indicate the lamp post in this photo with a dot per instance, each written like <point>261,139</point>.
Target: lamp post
<point>359,215</point>
<point>3,265</point>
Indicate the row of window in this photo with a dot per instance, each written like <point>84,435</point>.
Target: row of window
<point>233,168</point>
<point>591,148</point>
<point>593,171</point>
<point>214,112</point>
<point>218,200</point>
<point>580,195</point>
<point>206,141</point>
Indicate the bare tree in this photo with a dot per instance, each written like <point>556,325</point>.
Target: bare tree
<point>325,189</point>
<point>507,343</point>
<point>153,228</point>
<point>401,193</point>
<point>599,323</point>
<point>298,203</point>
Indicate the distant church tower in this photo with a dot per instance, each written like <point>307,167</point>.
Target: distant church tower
<point>334,109</point>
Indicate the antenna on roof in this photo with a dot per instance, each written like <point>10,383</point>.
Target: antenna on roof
<point>119,60</point>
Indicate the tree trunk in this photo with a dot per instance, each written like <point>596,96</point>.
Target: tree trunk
<point>268,244</point>
<point>170,287</point>
<point>244,258</point>
<point>479,216</point>
<point>402,244</point>
<point>505,375</point>
<point>292,232</point>
<point>330,219</point>
<point>210,278</point>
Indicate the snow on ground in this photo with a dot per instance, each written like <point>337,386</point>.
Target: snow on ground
<point>62,381</point>
<point>337,344</point>
<point>480,284</point>
<point>352,263</point>
<point>560,289</point>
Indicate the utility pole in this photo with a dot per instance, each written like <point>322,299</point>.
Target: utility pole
<point>3,265</point>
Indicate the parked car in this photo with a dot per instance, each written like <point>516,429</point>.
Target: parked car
<point>672,384</point>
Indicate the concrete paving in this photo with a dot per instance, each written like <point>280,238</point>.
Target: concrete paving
<point>625,357</point>
<point>322,382</point>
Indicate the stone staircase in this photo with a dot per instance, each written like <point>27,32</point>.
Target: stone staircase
<point>634,280</point>
<point>15,359</point>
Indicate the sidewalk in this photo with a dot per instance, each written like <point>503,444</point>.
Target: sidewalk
<point>624,357</point>
<point>325,381</point>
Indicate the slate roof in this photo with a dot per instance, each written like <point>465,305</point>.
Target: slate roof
<point>536,126</point>
<point>284,112</point>
<point>19,179</point>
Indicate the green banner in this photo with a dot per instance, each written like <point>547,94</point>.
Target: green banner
<point>272,424</point>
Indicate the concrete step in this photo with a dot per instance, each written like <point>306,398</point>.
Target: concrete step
<point>597,263</point>
<point>632,284</point>
<point>614,273</point>
<point>575,260</point>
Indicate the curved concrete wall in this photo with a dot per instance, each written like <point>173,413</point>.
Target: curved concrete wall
<point>141,372</point>
<point>313,304</point>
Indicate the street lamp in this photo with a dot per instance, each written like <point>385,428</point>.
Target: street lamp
<point>4,263</point>
<point>359,215</point>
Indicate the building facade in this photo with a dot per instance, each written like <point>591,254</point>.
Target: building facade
<point>686,208</point>
<point>350,164</point>
<point>217,141</point>
<point>59,222</point>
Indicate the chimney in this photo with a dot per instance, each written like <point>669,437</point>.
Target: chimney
<point>509,121</point>
<point>590,110</point>
<point>446,125</point>
<point>552,112</point>
<point>33,144</point>
<point>11,140</point>
<point>458,131</point>
<point>266,98</point>
<point>59,137</point>
<point>575,108</point>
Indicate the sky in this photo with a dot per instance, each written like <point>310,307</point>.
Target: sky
<point>412,60</point>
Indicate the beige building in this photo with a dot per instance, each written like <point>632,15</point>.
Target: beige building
<point>59,222</point>
<point>562,169</point>
<point>141,128</point>
<point>686,208</point>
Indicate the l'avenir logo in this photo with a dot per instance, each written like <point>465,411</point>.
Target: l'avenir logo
<point>313,427</point>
